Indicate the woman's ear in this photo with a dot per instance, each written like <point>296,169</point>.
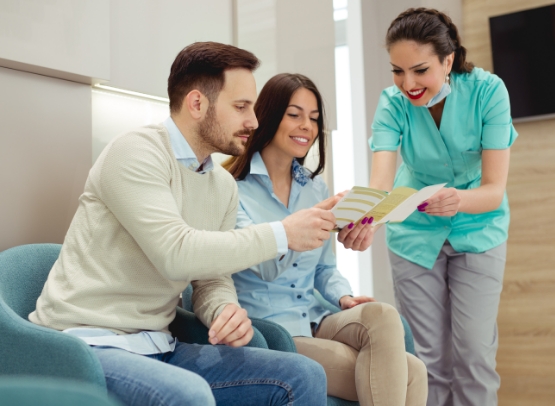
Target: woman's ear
<point>449,59</point>
<point>196,104</point>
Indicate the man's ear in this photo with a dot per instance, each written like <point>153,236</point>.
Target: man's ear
<point>196,103</point>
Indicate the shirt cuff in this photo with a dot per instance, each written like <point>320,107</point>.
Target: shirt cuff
<point>281,237</point>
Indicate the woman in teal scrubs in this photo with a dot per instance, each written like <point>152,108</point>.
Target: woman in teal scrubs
<point>452,123</point>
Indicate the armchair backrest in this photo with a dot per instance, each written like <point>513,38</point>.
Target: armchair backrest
<point>26,348</point>
<point>23,272</point>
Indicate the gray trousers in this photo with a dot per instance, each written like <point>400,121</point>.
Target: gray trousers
<point>452,311</point>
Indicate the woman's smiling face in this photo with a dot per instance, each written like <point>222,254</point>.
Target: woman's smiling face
<point>299,126</point>
<point>417,71</point>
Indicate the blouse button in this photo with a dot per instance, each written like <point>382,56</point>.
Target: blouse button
<point>293,285</point>
<point>295,264</point>
<point>299,296</point>
<point>304,314</point>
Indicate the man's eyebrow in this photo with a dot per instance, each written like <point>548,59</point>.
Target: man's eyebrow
<point>300,108</point>
<point>412,67</point>
<point>246,101</point>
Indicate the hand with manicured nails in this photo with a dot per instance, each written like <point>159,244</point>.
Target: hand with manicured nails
<point>359,237</point>
<point>232,327</point>
<point>446,202</point>
<point>348,302</point>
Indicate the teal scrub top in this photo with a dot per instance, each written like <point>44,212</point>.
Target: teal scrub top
<point>476,116</point>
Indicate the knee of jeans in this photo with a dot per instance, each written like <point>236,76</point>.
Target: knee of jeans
<point>311,372</point>
<point>194,390</point>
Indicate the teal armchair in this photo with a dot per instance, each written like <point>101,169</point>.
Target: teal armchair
<point>32,391</point>
<point>31,351</point>
<point>25,348</point>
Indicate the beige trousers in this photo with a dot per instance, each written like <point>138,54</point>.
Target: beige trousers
<point>363,353</point>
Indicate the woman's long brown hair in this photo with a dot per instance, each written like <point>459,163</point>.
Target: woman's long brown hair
<point>270,108</point>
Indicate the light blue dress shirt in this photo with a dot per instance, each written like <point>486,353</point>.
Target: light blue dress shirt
<point>476,116</point>
<point>282,290</point>
<point>158,342</point>
<point>183,151</point>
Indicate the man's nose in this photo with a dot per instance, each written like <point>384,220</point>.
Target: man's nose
<point>252,122</point>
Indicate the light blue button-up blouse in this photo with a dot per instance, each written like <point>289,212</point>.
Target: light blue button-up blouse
<point>282,289</point>
<point>476,116</point>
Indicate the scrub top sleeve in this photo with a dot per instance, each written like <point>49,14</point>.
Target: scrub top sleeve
<point>497,131</point>
<point>386,127</point>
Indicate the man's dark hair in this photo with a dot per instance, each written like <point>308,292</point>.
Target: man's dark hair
<point>201,66</point>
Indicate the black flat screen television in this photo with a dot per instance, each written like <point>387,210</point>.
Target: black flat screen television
<point>523,50</point>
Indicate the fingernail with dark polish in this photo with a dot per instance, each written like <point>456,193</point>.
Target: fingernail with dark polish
<point>370,220</point>
<point>422,206</point>
<point>351,226</point>
<point>364,220</point>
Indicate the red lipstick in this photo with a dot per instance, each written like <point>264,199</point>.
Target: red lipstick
<point>418,96</point>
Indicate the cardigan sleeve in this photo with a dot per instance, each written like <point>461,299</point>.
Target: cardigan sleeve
<point>210,296</point>
<point>135,186</point>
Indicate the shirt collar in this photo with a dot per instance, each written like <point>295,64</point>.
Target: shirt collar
<point>183,151</point>
<point>297,170</point>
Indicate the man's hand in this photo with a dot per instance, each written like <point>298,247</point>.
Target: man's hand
<point>232,327</point>
<point>330,201</point>
<point>308,229</point>
<point>348,302</point>
<point>446,202</point>
<point>359,237</point>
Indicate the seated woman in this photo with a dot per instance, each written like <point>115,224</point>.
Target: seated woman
<point>362,347</point>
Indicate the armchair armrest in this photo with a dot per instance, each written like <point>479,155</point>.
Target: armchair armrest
<point>277,337</point>
<point>29,349</point>
<point>187,328</point>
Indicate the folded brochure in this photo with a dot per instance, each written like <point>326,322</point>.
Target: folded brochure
<point>384,207</point>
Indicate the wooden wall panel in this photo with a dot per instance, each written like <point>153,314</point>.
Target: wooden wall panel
<point>526,357</point>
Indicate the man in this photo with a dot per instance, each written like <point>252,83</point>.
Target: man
<point>156,215</point>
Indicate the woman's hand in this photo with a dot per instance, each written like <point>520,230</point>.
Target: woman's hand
<point>348,302</point>
<point>359,237</point>
<point>446,202</point>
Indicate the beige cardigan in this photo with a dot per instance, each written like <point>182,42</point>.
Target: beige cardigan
<point>144,229</point>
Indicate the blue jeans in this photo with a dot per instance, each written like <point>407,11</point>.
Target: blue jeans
<point>207,375</point>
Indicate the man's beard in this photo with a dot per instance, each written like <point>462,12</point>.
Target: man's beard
<point>213,135</point>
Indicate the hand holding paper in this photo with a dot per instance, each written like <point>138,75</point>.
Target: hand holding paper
<point>384,207</point>
<point>446,202</point>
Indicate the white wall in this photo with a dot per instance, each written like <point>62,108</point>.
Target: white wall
<point>116,113</point>
<point>146,36</point>
<point>45,155</point>
<point>67,39</point>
